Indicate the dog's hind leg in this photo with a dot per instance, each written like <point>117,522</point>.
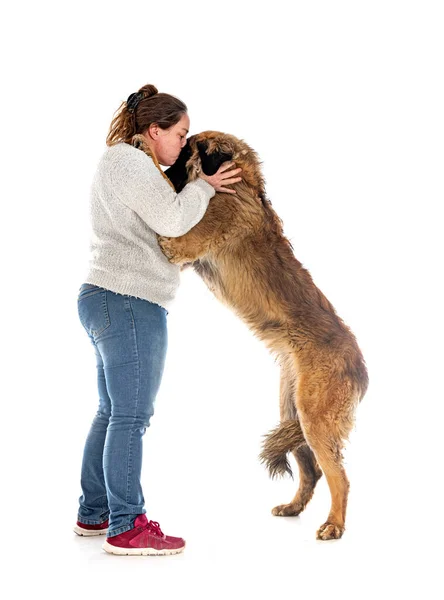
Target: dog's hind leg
<point>309,474</point>
<point>326,422</point>
<point>309,471</point>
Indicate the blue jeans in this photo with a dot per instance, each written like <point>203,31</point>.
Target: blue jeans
<point>129,336</point>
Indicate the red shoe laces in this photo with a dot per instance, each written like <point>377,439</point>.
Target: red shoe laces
<point>155,528</point>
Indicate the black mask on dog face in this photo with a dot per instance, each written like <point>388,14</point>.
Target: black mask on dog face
<point>177,173</point>
<point>211,162</point>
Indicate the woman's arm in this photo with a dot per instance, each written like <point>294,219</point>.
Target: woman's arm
<point>137,182</point>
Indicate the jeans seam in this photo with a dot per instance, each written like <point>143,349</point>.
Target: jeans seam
<point>90,521</point>
<point>88,294</point>
<point>105,505</point>
<point>104,307</point>
<point>137,368</point>
<point>120,530</point>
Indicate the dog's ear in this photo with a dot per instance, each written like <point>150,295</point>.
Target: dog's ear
<point>211,162</point>
<point>177,173</point>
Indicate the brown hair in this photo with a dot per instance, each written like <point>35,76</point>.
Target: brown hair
<point>155,107</point>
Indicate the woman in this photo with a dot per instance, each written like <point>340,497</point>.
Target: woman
<point>123,306</point>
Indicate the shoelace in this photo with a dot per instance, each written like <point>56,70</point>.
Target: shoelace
<point>155,528</point>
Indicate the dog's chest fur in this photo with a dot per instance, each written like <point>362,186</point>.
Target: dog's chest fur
<point>209,272</point>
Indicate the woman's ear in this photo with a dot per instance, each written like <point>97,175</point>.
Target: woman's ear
<point>153,131</point>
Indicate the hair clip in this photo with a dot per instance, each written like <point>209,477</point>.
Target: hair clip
<point>133,101</point>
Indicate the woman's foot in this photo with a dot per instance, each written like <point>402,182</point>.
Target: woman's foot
<point>145,539</point>
<point>89,530</point>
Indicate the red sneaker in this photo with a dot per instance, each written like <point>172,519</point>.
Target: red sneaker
<point>145,538</point>
<point>84,529</point>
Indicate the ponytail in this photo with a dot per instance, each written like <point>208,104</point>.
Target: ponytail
<point>140,110</point>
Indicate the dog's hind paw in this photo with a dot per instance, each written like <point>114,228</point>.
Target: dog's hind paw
<point>329,531</point>
<point>287,510</point>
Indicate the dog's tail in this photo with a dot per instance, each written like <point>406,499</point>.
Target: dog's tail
<point>286,437</point>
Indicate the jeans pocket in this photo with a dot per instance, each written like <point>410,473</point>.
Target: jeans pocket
<point>88,288</point>
<point>92,306</point>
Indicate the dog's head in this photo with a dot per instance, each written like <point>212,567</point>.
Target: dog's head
<point>207,151</point>
<point>200,153</point>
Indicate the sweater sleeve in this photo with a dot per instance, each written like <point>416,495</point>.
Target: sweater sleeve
<point>139,185</point>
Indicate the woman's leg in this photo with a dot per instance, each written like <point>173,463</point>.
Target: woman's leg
<point>131,337</point>
<point>93,504</point>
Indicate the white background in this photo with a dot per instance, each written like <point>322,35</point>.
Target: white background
<point>343,101</point>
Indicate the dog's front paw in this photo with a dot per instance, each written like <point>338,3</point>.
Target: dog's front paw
<point>138,141</point>
<point>168,247</point>
<point>330,531</point>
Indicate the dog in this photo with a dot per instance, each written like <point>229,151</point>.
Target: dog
<point>241,253</point>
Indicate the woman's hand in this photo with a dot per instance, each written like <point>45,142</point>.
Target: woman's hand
<point>222,177</point>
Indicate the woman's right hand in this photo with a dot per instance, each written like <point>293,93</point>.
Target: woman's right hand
<point>222,177</point>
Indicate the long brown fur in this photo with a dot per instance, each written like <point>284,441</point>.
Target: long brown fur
<point>241,253</point>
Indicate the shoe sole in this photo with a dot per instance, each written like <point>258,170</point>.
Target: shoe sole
<point>139,551</point>
<point>89,532</point>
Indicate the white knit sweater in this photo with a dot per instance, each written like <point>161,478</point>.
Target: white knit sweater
<point>130,202</point>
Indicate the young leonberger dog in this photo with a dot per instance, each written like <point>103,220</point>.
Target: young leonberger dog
<point>241,253</point>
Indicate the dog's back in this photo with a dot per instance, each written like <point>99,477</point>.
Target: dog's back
<point>251,267</point>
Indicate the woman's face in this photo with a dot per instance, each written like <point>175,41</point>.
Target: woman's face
<point>167,143</point>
